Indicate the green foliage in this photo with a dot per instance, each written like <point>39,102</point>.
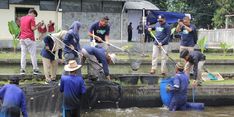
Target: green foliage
<point>202,43</point>
<point>225,47</point>
<point>225,7</point>
<point>14,30</point>
<point>173,30</point>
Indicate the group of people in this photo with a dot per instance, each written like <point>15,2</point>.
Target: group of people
<point>65,43</point>
<point>192,59</point>
<point>42,29</point>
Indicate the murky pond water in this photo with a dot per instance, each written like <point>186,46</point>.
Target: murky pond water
<point>159,112</point>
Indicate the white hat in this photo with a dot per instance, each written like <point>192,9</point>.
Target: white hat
<point>113,58</point>
<point>72,66</point>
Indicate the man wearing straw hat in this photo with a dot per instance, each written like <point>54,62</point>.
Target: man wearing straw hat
<point>52,47</point>
<point>179,89</point>
<point>72,86</point>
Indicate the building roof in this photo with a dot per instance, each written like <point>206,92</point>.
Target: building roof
<point>139,5</point>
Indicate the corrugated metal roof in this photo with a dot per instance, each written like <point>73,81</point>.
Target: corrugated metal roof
<point>140,5</point>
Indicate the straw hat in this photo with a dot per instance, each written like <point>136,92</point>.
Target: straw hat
<point>113,58</point>
<point>72,66</point>
<point>180,65</point>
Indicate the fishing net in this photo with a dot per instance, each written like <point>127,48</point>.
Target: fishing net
<point>170,65</point>
<point>134,56</point>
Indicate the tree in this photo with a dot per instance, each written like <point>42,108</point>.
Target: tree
<point>225,7</point>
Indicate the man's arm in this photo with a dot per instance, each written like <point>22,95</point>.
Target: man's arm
<point>195,69</point>
<point>33,24</point>
<point>67,39</point>
<point>61,85</point>
<point>176,84</point>
<point>107,37</point>
<point>83,88</point>
<point>24,106</point>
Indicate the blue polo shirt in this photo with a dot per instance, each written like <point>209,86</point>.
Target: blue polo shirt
<point>100,54</point>
<point>13,96</point>
<point>100,31</point>
<point>188,38</point>
<point>48,41</point>
<point>72,87</point>
<point>70,39</point>
<point>163,33</point>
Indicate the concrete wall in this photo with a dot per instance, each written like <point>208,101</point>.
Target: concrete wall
<point>9,14</point>
<point>87,18</point>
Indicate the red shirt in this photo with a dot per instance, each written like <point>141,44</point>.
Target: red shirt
<point>51,27</point>
<point>26,22</point>
<point>42,29</point>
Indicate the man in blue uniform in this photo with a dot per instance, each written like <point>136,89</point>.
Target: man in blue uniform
<point>72,86</point>
<point>179,89</point>
<point>196,60</point>
<point>13,99</point>
<point>98,55</point>
<point>163,32</point>
<point>99,31</point>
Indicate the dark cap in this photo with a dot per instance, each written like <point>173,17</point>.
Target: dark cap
<point>14,80</point>
<point>33,11</point>
<point>161,16</point>
<point>105,18</point>
<point>184,53</point>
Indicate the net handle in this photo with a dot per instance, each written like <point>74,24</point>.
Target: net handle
<point>162,47</point>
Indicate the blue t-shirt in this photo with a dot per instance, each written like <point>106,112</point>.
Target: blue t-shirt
<point>70,39</point>
<point>13,96</point>
<point>48,54</point>
<point>99,53</point>
<point>72,87</point>
<point>188,38</point>
<point>100,31</point>
<point>163,33</point>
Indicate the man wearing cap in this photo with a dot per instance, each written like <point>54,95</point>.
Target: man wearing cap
<point>73,87</point>
<point>163,32</point>
<point>98,55</point>
<point>196,60</point>
<point>13,99</point>
<point>188,34</point>
<point>27,40</point>
<point>179,89</point>
<point>52,47</point>
<point>99,32</point>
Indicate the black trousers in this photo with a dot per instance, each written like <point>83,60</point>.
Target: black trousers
<point>129,36</point>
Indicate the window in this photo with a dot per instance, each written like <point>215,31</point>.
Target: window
<point>71,5</point>
<point>4,4</point>
<point>91,6</point>
<point>112,6</point>
<point>49,5</point>
<point>28,2</point>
